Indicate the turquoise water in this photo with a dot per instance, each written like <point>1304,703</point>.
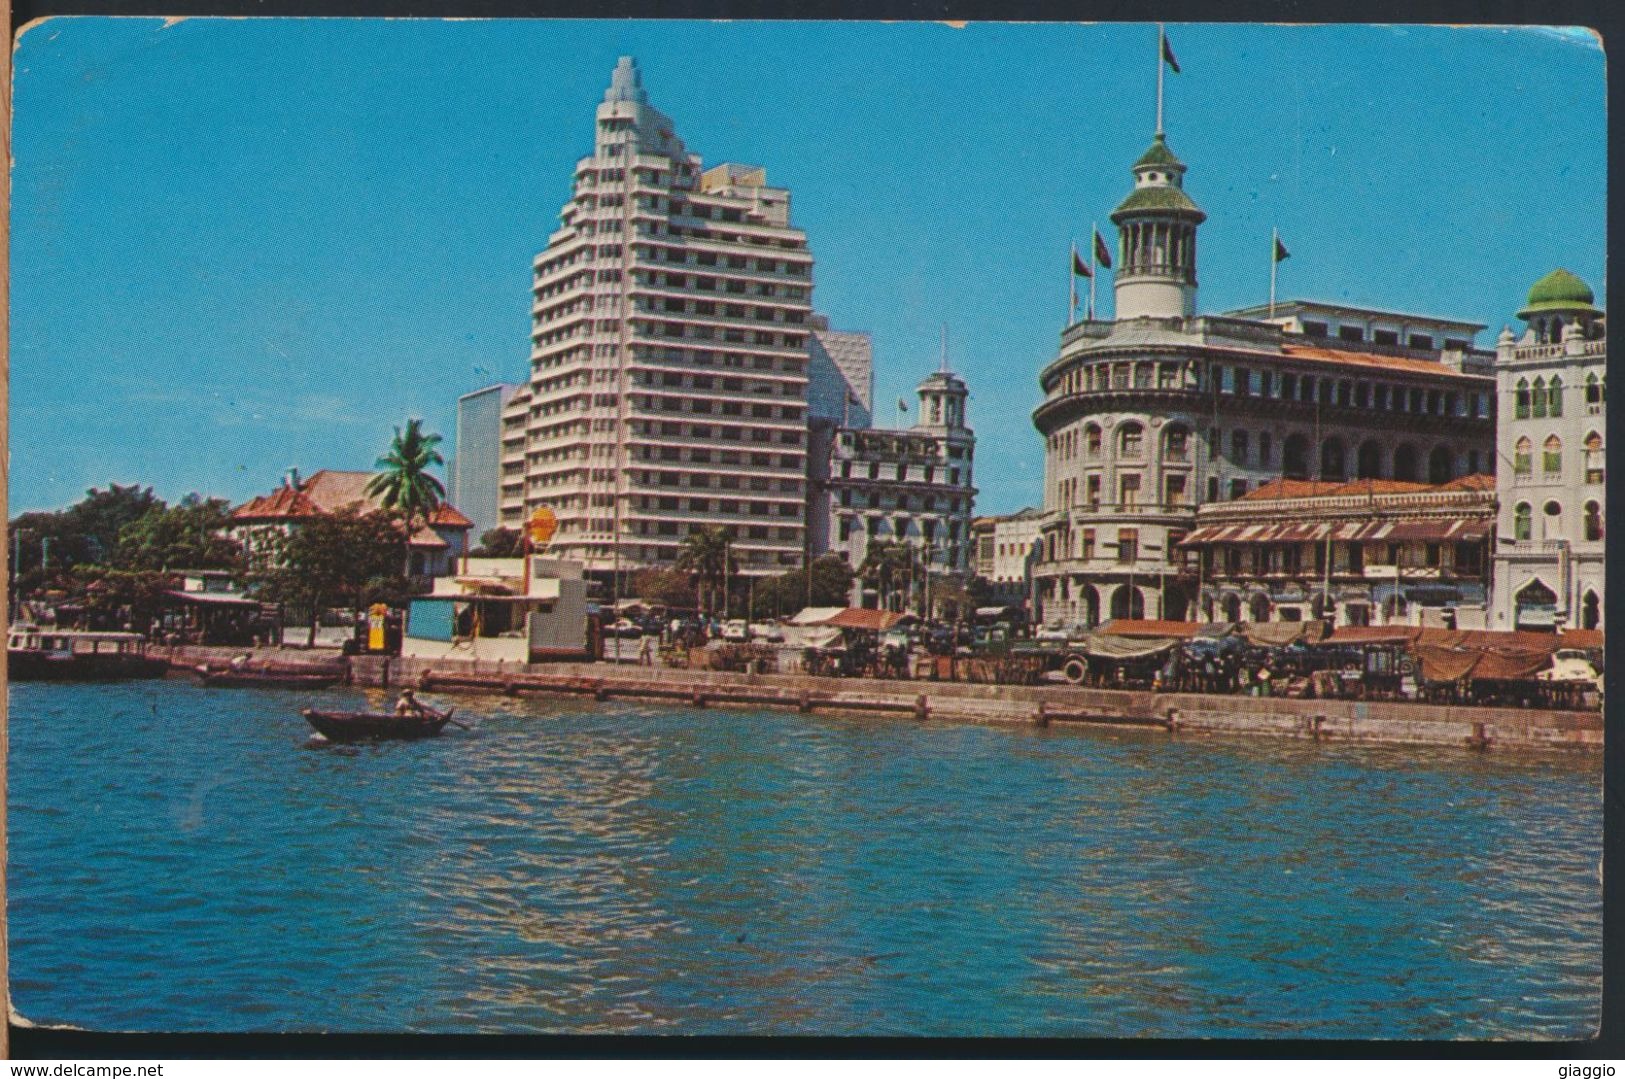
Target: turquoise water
<point>184,859</point>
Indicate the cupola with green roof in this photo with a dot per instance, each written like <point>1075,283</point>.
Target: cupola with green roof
<point>1558,300</point>
<point>1156,227</point>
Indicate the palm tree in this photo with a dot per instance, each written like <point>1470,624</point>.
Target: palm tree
<point>887,565</point>
<point>706,557</point>
<point>404,482</point>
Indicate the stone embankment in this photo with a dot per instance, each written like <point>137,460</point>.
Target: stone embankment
<point>1176,713</point>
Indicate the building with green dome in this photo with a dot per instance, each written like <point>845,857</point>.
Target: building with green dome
<point>1552,386</point>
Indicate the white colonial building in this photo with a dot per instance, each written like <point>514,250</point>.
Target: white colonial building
<point>1148,416</point>
<point>1552,383</point>
<point>912,486</point>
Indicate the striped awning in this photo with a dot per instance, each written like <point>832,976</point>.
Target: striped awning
<point>1443,530</point>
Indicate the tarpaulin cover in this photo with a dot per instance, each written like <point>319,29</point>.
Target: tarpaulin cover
<point>1510,666</point>
<point>1281,634</point>
<point>1141,627</point>
<point>1445,664</point>
<point>1106,646</point>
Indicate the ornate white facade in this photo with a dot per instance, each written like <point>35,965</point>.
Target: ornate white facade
<point>1552,383</point>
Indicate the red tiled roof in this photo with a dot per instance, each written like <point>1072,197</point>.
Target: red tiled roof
<point>281,504</point>
<point>425,537</point>
<point>1148,627</point>
<point>447,516</point>
<point>1581,638</point>
<point>1373,635</point>
<point>1285,488</point>
<point>330,490</point>
<point>1366,359</point>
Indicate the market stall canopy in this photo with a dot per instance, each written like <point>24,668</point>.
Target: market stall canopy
<point>815,616</point>
<point>865,618</point>
<point>1282,634</point>
<point>214,599</point>
<point>1143,627</point>
<point>1110,646</point>
<point>1363,635</point>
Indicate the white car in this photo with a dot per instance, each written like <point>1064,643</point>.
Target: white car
<point>766,631</point>
<point>736,629</point>
<point>1051,633</point>
<point>1569,665</point>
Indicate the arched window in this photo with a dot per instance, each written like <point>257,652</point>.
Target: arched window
<point>1176,443</point>
<point>1523,454</point>
<point>1258,608</point>
<point>1520,406</point>
<point>1539,399</point>
<point>1551,525</point>
<point>1368,461</point>
<point>1595,461</point>
<point>1522,521</point>
<point>1091,606</point>
<point>1593,520</point>
<point>1593,393</point>
<point>1554,397</point>
<point>1232,608</point>
<point>1295,457</point>
<point>1332,467</point>
<point>1441,465</point>
<point>1091,439</point>
<point>1590,611</point>
<point>1553,454</point>
<point>1405,462</point>
<point>1130,440</point>
<point>1128,603</point>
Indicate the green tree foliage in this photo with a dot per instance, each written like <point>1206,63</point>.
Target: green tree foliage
<point>707,559</point>
<point>499,543</point>
<point>404,483</point>
<point>184,536</point>
<point>119,598</point>
<point>86,532</point>
<point>667,587</point>
<point>787,593</point>
<point>344,558</point>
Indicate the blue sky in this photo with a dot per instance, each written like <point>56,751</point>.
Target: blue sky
<point>240,245</point>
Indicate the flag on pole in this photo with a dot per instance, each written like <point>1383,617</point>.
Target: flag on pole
<point>1103,254</point>
<point>1168,55</point>
<point>1079,267</point>
<point>1281,253</point>
<point>902,405</point>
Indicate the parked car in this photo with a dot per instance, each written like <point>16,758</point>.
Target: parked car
<point>766,631</point>
<point>625,627</point>
<point>1569,665</point>
<point>1051,633</point>
<point>736,629</point>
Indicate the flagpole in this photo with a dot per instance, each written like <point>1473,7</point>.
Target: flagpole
<point>1275,240</point>
<point>1094,230</point>
<point>1072,283</point>
<point>1160,38</point>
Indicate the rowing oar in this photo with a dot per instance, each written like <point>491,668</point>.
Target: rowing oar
<point>457,723</point>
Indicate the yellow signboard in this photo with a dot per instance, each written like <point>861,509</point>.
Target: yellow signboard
<point>543,523</point>
<point>375,627</point>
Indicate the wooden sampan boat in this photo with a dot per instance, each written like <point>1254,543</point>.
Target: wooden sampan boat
<point>376,726</point>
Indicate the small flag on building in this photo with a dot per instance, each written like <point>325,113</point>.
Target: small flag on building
<point>902,405</point>
<point>1168,55</point>
<point>1103,254</point>
<point>1079,267</point>
<point>1281,253</point>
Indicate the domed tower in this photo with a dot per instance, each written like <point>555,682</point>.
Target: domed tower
<point>1157,240</point>
<point>942,403</point>
<point>1558,302</point>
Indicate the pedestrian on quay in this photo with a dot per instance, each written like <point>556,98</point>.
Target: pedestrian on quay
<point>646,652</point>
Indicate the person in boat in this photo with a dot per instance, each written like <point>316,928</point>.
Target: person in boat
<point>407,705</point>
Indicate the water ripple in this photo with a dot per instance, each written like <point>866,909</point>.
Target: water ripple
<point>189,860</point>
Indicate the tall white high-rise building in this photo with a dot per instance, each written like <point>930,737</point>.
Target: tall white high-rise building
<point>670,346</point>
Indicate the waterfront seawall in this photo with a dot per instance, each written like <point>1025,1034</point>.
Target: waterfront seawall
<point>1176,713</point>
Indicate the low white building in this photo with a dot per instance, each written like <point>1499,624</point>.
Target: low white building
<point>494,610</point>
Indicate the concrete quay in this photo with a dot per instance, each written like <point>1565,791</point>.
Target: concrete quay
<point>1175,713</point>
